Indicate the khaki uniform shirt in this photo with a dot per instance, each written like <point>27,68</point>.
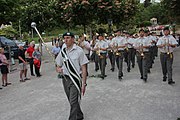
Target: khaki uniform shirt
<point>101,44</point>
<point>120,41</point>
<point>77,57</point>
<point>86,45</point>
<point>165,40</point>
<point>142,41</point>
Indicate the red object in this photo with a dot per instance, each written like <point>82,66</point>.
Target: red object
<point>37,63</point>
<point>30,51</point>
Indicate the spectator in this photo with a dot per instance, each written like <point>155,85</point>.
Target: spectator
<point>22,64</point>
<point>37,61</point>
<point>55,50</point>
<point>30,51</point>
<point>4,68</point>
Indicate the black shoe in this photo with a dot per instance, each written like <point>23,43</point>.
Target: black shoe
<point>96,69</point>
<point>101,76</point>
<point>27,79</point>
<point>171,82</point>
<point>0,88</point>
<point>4,85</point>
<point>141,77</point>
<point>145,80</point>
<point>120,77</point>
<point>164,79</point>
<point>112,69</point>
<point>128,70</point>
<point>133,66</point>
<point>105,75</point>
<point>149,71</point>
<point>32,75</point>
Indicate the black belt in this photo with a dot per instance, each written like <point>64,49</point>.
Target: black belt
<point>166,53</point>
<point>120,50</point>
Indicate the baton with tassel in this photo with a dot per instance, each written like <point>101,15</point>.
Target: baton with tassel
<point>33,25</point>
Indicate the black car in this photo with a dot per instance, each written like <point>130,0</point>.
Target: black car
<point>10,47</point>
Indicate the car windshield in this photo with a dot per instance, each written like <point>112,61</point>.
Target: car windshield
<point>8,42</point>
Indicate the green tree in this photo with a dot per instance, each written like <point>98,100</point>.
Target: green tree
<point>42,12</point>
<point>9,11</point>
<point>172,10</point>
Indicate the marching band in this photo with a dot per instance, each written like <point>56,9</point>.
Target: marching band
<point>123,47</point>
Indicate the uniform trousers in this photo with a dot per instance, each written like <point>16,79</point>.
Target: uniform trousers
<point>112,59</point>
<point>131,58</point>
<point>166,64</point>
<point>96,61</point>
<point>150,60</point>
<point>72,95</point>
<point>143,64</point>
<point>119,62</point>
<point>102,63</point>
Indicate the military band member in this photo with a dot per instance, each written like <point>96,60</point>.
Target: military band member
<point>101,50</point>
<point>111,53</point>
<point>71,63</point>
<point>119,44</point>
<point>142,47</point>
<point>150,39</point>
<point>85,45</point>
<point>94,55</point>
<point>130,52</point>
<point>155,38</point>
<point>166,45</point>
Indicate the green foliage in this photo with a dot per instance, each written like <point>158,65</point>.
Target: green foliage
<point>9,11</point>
<point>8,31</point>
<point>172,10</point>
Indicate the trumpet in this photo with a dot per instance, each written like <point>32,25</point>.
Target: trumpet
<point>115,49</point>
<point>126,46</point>
<point>167,49</point>
<point>141,50</point>
<point>98,52</point>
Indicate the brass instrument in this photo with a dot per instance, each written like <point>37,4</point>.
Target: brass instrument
<point>141,50</point>
<point>167,49</point>
<point>126,47</point>
<point>98,51</point>
<point>115,49</point>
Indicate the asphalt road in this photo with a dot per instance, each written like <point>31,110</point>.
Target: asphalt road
<point>109,99</point>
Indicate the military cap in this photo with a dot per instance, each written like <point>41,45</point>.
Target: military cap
<point>100,34</point>
<point>166,28</point>
<point>68,34</point>
<point>141,30</point>
<point>146,31</point>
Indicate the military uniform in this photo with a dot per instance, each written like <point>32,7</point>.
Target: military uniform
<point>142,55</point>
<point>130,53</point>
<point>78,58</point>
<point>111,55</point>
<point>120,43</point>
<point>166,56</point>
<point>101,44</point>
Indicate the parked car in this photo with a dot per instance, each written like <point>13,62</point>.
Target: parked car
<point>10,47</point>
